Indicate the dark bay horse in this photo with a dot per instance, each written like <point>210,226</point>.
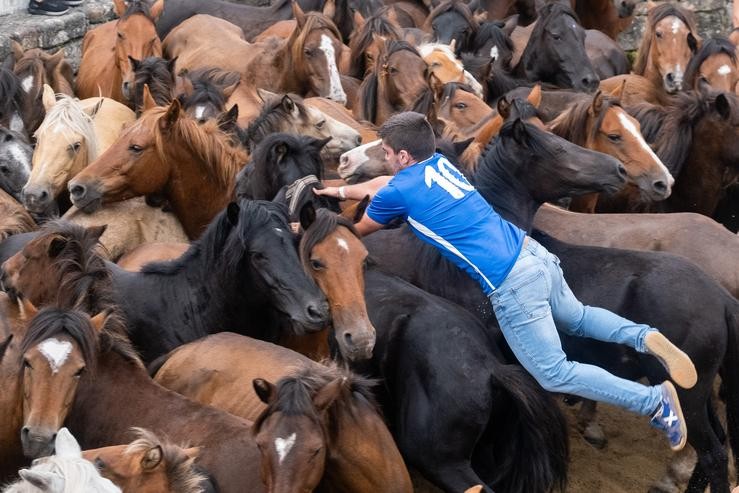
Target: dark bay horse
<point>77,371</point>
<point>165,152</point>
<point>243,274</point>
<point>156,73</point>
<point>12,98</point>
<point>279,160</point>
<point>452,20</point>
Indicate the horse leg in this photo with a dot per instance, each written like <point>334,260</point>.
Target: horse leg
<point>713,461</point>
<point>588,426</point>
<point>678,472</point>
<point>584,203</point>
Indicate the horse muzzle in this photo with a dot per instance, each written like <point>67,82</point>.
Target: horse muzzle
<point>357,345</point>
<point>37,442</point>
<point>85,196</point>
<point>673,81</point>
<point>36,199</point>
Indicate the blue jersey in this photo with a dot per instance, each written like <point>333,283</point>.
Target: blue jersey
<point>443,209</point>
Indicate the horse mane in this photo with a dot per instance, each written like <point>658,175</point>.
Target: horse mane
<point>379,25</point>
<point>15,218</point>
<point>223,242</point>
<point>295,394</point>
<point>367,95</point>
<point>182,475</point>
<point>68,113</point>
<point>325,223</point>
<point>313,21</point>
<point>428,48</point>
<point>155,72</point>
<point>208,85</point>
<point>457,6</point>
<point>572,124</point>
<point>11,91</point>
<point>655,15</point>
<point>207,142</point>
<point>269,118</point>
<point>492,30</point>
<point>669,129</point>
<point>33,65</point>
<point>711,46</point>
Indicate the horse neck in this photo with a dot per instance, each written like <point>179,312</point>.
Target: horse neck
<point>501,189</point>
<point>195,201</point>
<point>385,108</point>
<point>11,410</point>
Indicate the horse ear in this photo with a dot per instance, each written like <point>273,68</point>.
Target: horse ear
<point>280,151</point>
<point>65,445</point>
<point>392,17</point>
<point>329,9</point>
<point>289,105</point>
<point>232,213</point>
<point>328,394</point>
<point>227,121</point>
<point>120,7</point>
<point>192,452</point>
<point>723,106</point>
<point>171,64</point>
<point>152,458</point>
<point>265,390</point>
<point>92,112</point>
<point>504,108</point>
<point>358,20</point>
<point>155,11</point>
<point>436,85</point>
<point>148,102</point>
<point>9,62</point>
<point>26,309</point>
<point>298,14</point>
<point>519,131</point>
<point>17,49</point>
<point>48,99</point>
<point>45,481</point>
<point>4,345</point>
<point>474,489</point>
<point>56,58</point>
<point>171,116</point>
<point>461,146</point>
<point>265,95</point>
<point>651,5</point>
<point>453,45</point>
<point>321,143</point>
<point>692,43</point>
<point>534,96</point>
<point>98,321</point>
<point>307,215</point>
<point>355,212</point>
<point>229,89</point>
<point>481,16</point>
<point>135,64</point>
<point>618,92</point>
<point>597,105</point>
<point>56,245</point>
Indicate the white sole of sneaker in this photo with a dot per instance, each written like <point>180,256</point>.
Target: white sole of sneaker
<point>677,363</point>
<point>681,418</point>
<point>46,12</point>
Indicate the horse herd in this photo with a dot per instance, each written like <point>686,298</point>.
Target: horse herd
<point>163,194</point>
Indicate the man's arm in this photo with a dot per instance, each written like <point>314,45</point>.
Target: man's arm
<point>357,191</point>
<point>367,225</point>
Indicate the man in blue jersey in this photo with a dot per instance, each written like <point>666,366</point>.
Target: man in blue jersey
<point>522,279</point>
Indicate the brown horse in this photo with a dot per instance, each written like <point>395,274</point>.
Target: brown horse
<point>149,465</point>
<point>165,152</point>
<point>35,67</point>
<point>607,16</point>
<point>14,218</point>
<point>397,83</point>
<point>635,89</point>
<point>231,361</point>
<point>444,66</point>
<point>461,112</point>
<point>367,39</point>
<point>132,35</point>
<point>714,64</point>
<point>151,252</point>
<point>598,122</point>
<point>669,41</point>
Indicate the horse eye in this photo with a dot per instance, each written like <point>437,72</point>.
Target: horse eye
<point>75,147</point>
<point>79,372</point>
<point>99,464</point>
<point>27,364</point>
<point>369,57</point>
<point>316,264</point>
<point>315,453</point>
<point>460,106</point>
<point>658,34</point>
<point>258,256</point>
<point>320,124</point>
<point>435,64</point>
<point>614,138</point>
<point>392,70</point>
<point>556,37</point>
<point>308,52</point>
<point>135,148</point>
<point>120,35</point>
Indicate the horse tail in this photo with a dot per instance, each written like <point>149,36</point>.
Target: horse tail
<point>531,448</point>
<point>730,377</point>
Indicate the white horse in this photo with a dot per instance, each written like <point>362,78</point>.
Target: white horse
<point>65,472</point>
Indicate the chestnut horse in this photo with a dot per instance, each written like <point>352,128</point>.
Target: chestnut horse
<point>610,17</point>
<point>149,464</point>
<point>398,82</point>
<point>459,113</point>
<point>13,217</point>
<point>167,152</point>
<point>73,134</point>
<point>598,122</point>
<point>132,35</point>
<point>714,64</point>
<point>71,368</point>
<point>445,67</point>
<point>669,41</point>
<point>366,41</point>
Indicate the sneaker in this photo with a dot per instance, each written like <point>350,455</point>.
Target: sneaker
<point>47,7</point>
<point>72,3</point>
<point>669,417</point>
<point>676,362</point>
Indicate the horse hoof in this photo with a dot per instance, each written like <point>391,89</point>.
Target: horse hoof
<point>593,434</point>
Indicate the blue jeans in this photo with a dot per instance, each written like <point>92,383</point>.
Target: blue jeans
<point>531,300</point>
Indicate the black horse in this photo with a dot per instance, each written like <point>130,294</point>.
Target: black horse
<point>279,160</point>
<point>12,98</point>
<point>243,275</point>
<point>452,20</point>
<point>158,74</point>
<point>658,289</point>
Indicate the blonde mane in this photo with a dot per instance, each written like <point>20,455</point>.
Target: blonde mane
<point>69,115</point>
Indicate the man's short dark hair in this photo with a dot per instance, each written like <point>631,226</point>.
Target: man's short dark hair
<point>409,131</point>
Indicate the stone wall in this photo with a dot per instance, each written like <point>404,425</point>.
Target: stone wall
<point>713,16</point>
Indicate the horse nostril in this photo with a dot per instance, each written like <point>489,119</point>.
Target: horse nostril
<point>660,186</point>
<point>317,312</point>
<point>621,171</point>
<point>25,431</point>
<point>343,160</point>
<point>348,338</point>
<point>78,191</point>
<point>43,195</point>
<point>670,77</point>
<point>358,140</point>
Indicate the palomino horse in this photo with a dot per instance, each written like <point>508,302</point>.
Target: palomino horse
<point>599,123</point>
<point>232,362</point>
<point>149,464</point>
<point>452,21</point>
<point>445,67</point>
<point>35,67</point>
<point>74,364</point>
<point>277,161</point>
<point>669,41</point>
<point>289,113</point>
<point>714,64</point>
<point>15,162</point>
<point>165,152</point>
<point>398,82</point>
<point>73,134</point>
<point>65,471</point>
<point>132,35</point>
